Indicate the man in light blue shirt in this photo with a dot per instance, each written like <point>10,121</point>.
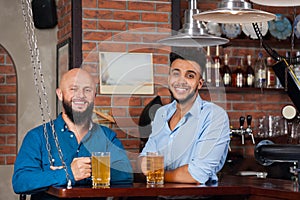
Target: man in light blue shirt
<point>192,134</point>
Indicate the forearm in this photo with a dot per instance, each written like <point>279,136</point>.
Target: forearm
<point>180,175</point>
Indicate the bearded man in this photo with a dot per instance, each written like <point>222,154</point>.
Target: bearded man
<point>40,163</point>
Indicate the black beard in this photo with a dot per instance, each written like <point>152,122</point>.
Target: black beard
<point>183,101</point>
<point>76,117</point>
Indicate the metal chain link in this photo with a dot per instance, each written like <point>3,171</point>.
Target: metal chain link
<point>39,83</point>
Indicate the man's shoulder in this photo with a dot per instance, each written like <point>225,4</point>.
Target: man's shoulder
<point>101,129</point>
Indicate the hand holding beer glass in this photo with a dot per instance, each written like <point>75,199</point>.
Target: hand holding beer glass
<point>100,169</point>
<point>155,168</point>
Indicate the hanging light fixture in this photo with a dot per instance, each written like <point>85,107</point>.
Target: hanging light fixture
<point>279,3</point>
<point>234,11</point>
<point>193,32</point>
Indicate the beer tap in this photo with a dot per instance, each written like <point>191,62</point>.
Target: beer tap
<point>249,129</point>
<point>241,131</point>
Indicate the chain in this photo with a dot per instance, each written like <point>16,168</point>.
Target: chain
<point>39,83</point>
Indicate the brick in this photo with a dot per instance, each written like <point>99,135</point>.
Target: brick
<point>141,26</point>
<point>97,14</point>
<point>155,17</point>
<point>8,129</point>
<point>88,24</point>
<point>7,149</point>
<point>144,6</point>
<point>110,25</point>
<point>97,36</point>
<point>5,69</point>
<point>11,99</point>
<point>11,79</point>
<point>10,160</point>
<point>112,4</point>
<point>119,111</point>
<point>89,3</point>
<point>7,89</point>
<point>103,100</point>
<point>126,101</point>
<point>8,109</point>
<point>127,37</point>
<point>164,7</point>
<point>125,15</point>
<point>88,46</point>
<point>112,46</point>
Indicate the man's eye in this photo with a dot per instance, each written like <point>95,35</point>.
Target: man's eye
<point>190,76</point>
<point>88,90</point>
<point>175,74</point>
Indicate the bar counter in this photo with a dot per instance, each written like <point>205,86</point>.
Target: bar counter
<point>229,187</point>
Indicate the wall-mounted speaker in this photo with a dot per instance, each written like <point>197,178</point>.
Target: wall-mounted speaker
<point>44,13</point>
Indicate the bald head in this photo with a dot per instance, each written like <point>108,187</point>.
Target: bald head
<point>77,76</point>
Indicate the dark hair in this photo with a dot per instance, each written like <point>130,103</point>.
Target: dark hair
<point>192,54</point>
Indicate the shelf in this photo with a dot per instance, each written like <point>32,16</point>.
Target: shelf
<point>245,90</point>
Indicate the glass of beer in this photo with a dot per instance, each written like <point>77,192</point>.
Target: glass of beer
<point>100,169</point>
<point>155,168</point>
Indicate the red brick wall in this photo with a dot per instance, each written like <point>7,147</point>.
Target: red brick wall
<point>8,108</point>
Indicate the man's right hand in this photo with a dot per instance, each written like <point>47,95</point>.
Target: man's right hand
<point>81,168</point>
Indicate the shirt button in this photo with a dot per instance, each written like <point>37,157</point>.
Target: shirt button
<point>71,135</point>
<point>62,130</point>
<point>77,150</point>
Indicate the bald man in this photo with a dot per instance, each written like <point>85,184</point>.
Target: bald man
<point>77,136</point>
<point>192,134</point>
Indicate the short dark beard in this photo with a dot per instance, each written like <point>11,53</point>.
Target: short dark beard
<point>79,118</point>
<point>183,101</point>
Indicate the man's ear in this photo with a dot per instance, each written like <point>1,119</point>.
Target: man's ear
<point>200,84</point>
<point>59,94</point>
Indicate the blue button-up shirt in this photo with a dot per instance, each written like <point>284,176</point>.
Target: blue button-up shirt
<point>32,168</point>
<point>200,139</point>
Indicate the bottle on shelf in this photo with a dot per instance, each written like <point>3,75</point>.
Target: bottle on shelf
<point>260,72</point>
<point>208,68</point>
<point>226,72</point>
<point>217,66</point>
<point>271,77</point>
<point>249,74</point>
<point>238,75</point>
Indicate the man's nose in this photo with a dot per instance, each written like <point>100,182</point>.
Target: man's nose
<point>80,93</point>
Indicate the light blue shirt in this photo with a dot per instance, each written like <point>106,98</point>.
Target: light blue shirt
<point>200,139</point>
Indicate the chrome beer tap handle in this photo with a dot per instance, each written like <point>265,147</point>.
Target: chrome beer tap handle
<point>249,129</point>
<point>242,120</point>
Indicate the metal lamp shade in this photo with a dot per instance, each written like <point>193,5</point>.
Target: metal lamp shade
<point>234,11</point>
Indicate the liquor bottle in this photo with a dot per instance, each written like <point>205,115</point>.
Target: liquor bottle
<point>238,74</point>
<point>226,72</point>
<point>271,77</point>
<point>260,72</point>
<point>249,74</point>
<point>208,67</point>
<point>217,65</point>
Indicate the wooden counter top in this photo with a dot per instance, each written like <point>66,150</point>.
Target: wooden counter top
<point>248,187</point>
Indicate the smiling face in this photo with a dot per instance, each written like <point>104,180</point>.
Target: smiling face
<point>77,92</point>
<point>185,80</point>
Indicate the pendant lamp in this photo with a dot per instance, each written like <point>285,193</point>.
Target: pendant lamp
<point>279,3</point>
<point>234,11</point>
<point>193,32</point>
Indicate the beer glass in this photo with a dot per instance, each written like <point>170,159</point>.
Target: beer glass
<point>155,168</point>
<point>100,169</point>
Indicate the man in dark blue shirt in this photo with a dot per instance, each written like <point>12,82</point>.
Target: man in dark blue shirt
<point>77,137</point>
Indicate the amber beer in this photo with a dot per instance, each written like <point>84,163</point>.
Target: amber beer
<point>100,169</point>
<point>155,168</point>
